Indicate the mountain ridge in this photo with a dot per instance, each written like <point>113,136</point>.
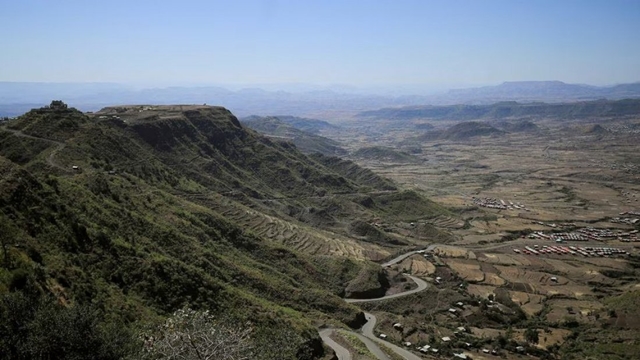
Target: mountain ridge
<point>16,98</point>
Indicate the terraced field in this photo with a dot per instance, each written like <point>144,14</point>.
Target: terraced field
<point>292,234</point>
<point>446,222</point>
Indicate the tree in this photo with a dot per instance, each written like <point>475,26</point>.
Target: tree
<point>8,235</point>
<point>190,334</point>
<point>36,327</point>
<point>531,335</point>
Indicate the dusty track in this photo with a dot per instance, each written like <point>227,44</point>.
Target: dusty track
<point>50,158</point>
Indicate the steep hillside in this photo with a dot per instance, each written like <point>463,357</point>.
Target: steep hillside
<point>138,211</point>
<point>307,142</point>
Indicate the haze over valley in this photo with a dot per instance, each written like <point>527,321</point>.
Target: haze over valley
<point>280,180</point>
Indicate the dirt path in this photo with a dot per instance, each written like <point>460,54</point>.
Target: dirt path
<point>50,158</point>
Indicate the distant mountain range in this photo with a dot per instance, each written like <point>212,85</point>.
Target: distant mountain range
<point>548,91</point>
<point>16,98</point>
<point>506,110</point>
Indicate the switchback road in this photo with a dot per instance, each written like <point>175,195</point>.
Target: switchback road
<point>367,336</point>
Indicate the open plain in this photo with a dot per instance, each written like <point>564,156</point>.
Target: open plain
<point>544,247</point>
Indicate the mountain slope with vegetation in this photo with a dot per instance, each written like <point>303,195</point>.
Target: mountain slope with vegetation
<point>135,212</point>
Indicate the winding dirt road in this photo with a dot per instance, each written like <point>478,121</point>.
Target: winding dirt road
<point>50,158</point>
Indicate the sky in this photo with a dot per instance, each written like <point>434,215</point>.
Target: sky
<point>449,43</point>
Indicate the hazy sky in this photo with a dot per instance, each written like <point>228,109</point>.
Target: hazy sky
<point>359,42</point>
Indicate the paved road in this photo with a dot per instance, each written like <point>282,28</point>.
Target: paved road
<point>367,331</point>
<point>399,258</point>
<point>422,285</point>
<point>372,347</point>
<point>367,336</point>
<point>341,353</point>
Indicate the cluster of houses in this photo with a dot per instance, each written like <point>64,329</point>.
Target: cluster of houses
<point>587,234</point>
<point>629,196</point>
<point>625,220</point>
<point>492,203</point>
<point>623,128</point>
<point>632,213</point>
<point>587,251</point>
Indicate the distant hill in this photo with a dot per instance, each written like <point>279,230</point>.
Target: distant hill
<point>596,129</point>
<point>382,153</point>
<point>506,110</point>
<point>462,131</point>
<point>516,126</point>
<point>466,130</point>
<point>313,126</point>
<point>305,141</point>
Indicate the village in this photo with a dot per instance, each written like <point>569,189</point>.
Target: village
<point>587,251</point>
<point>588,234</point>
<point>499,204</point>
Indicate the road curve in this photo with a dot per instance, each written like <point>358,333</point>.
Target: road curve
<point>367,336</point>
<point>341,353</point>
<point>50,161</point>
<point>372,346</point>
<point>422,285</point>
<point>399,258</point>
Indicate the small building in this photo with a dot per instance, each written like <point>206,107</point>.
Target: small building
<point>460,356</point>
<point>446,339</point>
<point>554,279</point>
<point>407,344</point>
<point>75,167</point>
<point>453,311</point>
<point>397,326</point>
<point>382,336</point>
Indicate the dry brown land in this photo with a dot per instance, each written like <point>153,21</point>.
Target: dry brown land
<point>558,175</point>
